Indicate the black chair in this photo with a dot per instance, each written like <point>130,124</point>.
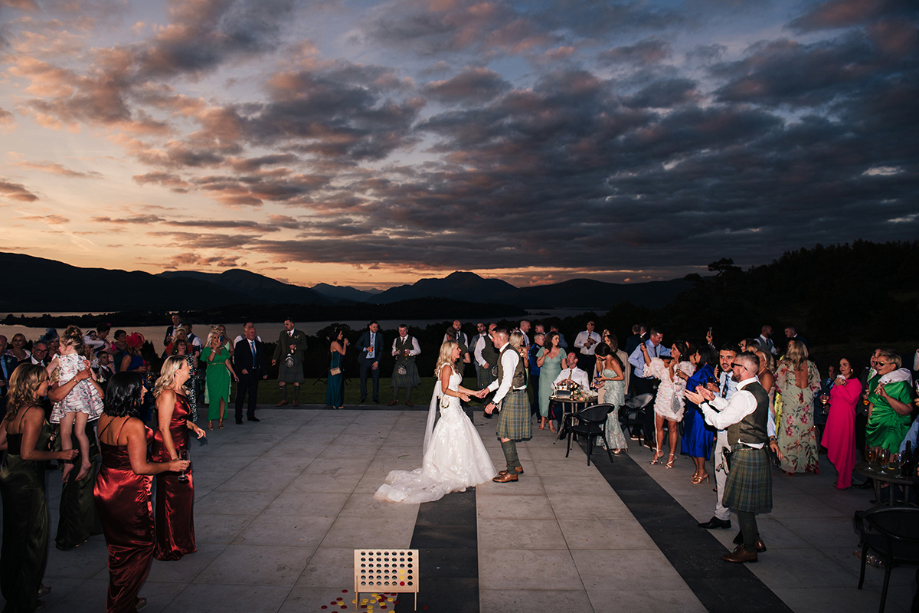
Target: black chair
<point>591,422</point>
<point>633,414</point>
<point>893,534</point>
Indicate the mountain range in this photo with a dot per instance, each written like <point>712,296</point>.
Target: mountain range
<point>101,290</point>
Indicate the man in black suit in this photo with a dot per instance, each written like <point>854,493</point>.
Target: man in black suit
<point>371,345</point>
<point>251,366</point>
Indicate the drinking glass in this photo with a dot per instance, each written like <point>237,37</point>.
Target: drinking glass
<point>893,463</point>
<point>183,455</point>
<point>872,457</point>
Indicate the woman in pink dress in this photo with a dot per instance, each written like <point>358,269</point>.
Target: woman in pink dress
<point>839,433</point>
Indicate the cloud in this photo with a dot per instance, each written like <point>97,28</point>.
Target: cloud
<point>55,168</point>
<point>472,85</point>
<point>847,13</point>
<point>49,219</point>
<point>15,191</point>
<point>665,93</point>
<point>641,54</point>
<point>7,122</point>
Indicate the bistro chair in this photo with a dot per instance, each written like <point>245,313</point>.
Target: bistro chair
<point>591,422</point>
<point>632,415</point>
<point>893,534</point>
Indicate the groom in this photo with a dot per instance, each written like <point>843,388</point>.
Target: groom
<point>514,420</point>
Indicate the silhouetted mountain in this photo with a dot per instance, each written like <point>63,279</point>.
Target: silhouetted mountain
<point>576,293</point>
<point>258,289</point>
<point>344,292</point>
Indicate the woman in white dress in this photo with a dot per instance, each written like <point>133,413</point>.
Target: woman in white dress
<point>454,456</point>
<point>669,402</point>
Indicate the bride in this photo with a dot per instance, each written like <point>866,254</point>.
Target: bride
<point>454,456</point>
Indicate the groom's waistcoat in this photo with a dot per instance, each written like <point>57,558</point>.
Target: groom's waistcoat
<point>519,377</point>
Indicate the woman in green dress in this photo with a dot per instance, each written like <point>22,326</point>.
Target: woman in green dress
<point>219,370</point>
<point>890,397</point>
<point>25,435</point>
<point>335,390</point>
<point>549,359</point>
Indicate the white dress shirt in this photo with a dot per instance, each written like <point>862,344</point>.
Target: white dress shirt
<point>580,342</point>
<point>415,350</point>
<point>479,346</point>
<point>722,413</point>
<point>509,360</point>
<point>575,374</point>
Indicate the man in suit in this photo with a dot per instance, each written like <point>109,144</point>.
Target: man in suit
<point>249,357</point>
<point>371,344</point>
<point>290,351</point>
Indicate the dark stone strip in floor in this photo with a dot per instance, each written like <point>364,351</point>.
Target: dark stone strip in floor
<point>448,556</point>
<point>693,552</point>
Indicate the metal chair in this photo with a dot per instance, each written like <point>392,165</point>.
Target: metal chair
<point>892,533</point>
<point>591,422</point>
<point>632,415</point>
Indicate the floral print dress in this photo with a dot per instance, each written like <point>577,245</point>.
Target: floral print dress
<point>796,433</point>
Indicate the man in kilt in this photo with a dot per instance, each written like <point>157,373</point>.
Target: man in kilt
<point>748,489</point>
<point>290,352</point>
<point>405,372</point>
<point>511,392</point>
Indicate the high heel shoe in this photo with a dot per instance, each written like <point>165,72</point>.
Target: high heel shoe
<point>210,425</point>
<point>220,424</point>
<point>657,457</point>
<point>670,459</point>
<point>696,480</point>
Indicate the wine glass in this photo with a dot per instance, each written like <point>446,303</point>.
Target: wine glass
<point>183,455</point>
<point>893,463</point>
<point>872,457</point>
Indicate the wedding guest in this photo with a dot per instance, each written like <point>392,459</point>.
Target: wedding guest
<point>668,403</point>
<point>290,352</point>
<point>251,366</point>
<point>481,332</point>
<point>335,389</point>
<point>182,348</point>
<point>219,371</point>
<point>39,354</point>
<point>797,380</point>
<point>612,378</point>
<point>25,435</point>
<point>839,433</point>
<point>133,361</point>
<point>170,331</point>
<point>561,337</point>
<point>539,341</point>
<point>405,373</point>
<point>792,335</point>
<point>586,343</point>
<point>486,355</point>
<point>697,437</point>
<point>889,398</point>
<point>17,349</point>
<point>654,345</point>
<point>549,359</point>
<point>371,344</point>
<point>122,491</point>
<point>765,340</point>
<point>632,343</point>
<point>175,494</point>
<point>525,330</point>
<point>572,373</point>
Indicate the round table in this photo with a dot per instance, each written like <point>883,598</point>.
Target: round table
<point>869,471</point>
<point>569,406</point>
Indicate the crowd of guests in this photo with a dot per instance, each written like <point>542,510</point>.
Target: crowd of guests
<point>744,406</point>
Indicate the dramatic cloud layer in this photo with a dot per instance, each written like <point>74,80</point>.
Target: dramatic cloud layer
<point>628,140</point>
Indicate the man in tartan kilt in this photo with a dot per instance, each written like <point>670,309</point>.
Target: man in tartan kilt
<point>511,392</point>
<point>405,372</point>
<point>290,352</point>
<point>748,489</point>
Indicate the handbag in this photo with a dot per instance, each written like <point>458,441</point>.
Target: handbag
<point>335,371</point>
<point>445,402</point>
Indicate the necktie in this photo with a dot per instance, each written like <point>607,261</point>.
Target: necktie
<point>724,388</point>
<point>252,345</point>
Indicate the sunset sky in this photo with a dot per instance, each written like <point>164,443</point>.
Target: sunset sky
<point>372,143</point>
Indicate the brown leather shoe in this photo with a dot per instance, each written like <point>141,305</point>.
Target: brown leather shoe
<point>519,471</point>
<point>740,555</point>
<point>393,403</point>
<point>759,545</point>
<point>505,478</point>
<point>281,403</point>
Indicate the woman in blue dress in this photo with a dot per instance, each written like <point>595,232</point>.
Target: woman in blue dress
<point>697,436</point>
<point>335,390</point>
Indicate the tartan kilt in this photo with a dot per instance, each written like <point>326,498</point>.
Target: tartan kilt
<point>514,418</point>
<point>409,380</point>
<point>749,483</point>
<point>294,374</point>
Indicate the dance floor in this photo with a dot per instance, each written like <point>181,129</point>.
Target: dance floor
<point>281,505</point>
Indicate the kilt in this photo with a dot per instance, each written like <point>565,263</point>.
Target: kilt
<point>409,380</point>
<point>294,374</point>
<point>514,418</point>
<point>749,482</point>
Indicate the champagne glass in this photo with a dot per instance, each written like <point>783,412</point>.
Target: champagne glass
<point>882,457</point>
<point>183,455</point>
<point>872,457</point>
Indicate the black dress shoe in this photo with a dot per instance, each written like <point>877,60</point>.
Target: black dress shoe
<point>254,419</point>
<point>716,523</point>
<point>239,421</point>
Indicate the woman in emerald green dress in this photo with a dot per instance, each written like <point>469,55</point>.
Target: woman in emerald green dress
<point>890,398</point>
<point>25,435</point>
<point>216,355</point>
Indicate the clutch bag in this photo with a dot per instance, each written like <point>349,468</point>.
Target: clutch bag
<point>335,371</point>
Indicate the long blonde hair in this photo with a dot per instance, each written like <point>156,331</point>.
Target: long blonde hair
<point>796,354</point>
<point>168,373</point>
<point>445,357</point>
<point>24,382</point>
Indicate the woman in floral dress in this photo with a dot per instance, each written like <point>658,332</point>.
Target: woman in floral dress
<point>798,380</point>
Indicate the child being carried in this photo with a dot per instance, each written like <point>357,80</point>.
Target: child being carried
<point>82,404</point>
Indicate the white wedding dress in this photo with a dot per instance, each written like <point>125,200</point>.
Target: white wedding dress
<point>454,456</point>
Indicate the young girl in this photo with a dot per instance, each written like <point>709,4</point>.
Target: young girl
<point>82,404</point>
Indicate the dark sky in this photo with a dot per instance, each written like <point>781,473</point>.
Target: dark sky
<point>370,143</point>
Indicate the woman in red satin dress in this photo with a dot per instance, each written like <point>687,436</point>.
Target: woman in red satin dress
<point>175,523</point>
<point>122,490</point>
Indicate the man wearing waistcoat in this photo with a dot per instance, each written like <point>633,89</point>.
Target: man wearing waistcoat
<point>405,372</point>
<point>748,489</point>
<point>290,351</point>
<point>511,393</point>
<point>486,355</point>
